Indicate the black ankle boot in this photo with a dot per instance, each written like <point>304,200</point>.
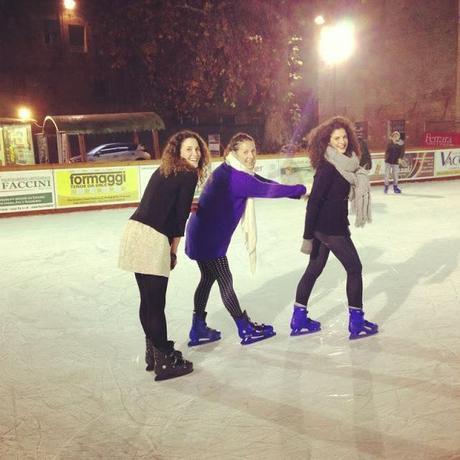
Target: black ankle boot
<point>169,363</point>
<point>149,357</point>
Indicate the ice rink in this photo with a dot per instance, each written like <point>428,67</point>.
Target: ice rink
<point>73,384</point>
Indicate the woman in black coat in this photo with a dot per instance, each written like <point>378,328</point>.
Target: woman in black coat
<point>334,154</point>
<point>150,240</point>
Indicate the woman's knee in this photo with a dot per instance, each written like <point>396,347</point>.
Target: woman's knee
<point>355,268</point>
<point>313,271</point>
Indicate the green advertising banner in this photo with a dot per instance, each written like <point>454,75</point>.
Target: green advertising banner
<point>26,190</point>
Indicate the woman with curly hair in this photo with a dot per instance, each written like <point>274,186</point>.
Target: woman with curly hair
<point>334,153</point>
<point>150,241</point>
<point>227,199</point>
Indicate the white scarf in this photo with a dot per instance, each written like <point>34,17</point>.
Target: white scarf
<point>248,219</point>
<point>360,196</point>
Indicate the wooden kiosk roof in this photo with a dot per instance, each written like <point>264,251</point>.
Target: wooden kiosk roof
<point>103,123</point>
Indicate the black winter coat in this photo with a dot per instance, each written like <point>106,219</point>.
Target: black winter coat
<point>165,205</point>
<point>327,208</point>
<point>393,153</point>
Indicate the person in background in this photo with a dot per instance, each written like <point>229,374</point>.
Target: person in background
<point>393,154</point>
<point>334,155</point>
<point>150,241</point>
<point>365,160</point>
<point>226,200</point>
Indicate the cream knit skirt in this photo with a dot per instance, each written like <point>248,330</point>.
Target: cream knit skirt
<point>144,250</point>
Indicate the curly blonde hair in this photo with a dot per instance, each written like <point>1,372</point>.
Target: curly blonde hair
<point>172,162</point>
<point>319,138</point>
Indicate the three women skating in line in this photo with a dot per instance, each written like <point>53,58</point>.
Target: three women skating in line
<point>226,201</point>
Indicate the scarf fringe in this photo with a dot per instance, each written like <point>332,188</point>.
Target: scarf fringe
<point>248,219</point>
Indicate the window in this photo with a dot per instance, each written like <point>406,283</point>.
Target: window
<point>101,90</point>
<point>51,31</point>
<point>228,119</point>
<point>77,37</point>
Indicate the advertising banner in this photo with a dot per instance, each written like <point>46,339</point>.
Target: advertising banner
<point>415,165</point>
<point>377,172</point>
<point>441,139</point>
<point>2,149</point>
<point>145,173</point>
<point>268,168</point>
<point>18,145</point>
<point>295,170</point>
<point>26,191</point>
<point>96,186</point>
<point>447,163</point>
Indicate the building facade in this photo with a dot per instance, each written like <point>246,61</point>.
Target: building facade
<point>404,72</point>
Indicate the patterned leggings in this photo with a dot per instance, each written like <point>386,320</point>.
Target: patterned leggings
<point>211,271</point>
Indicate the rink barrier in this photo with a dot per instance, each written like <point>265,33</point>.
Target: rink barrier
<point>50,188</point>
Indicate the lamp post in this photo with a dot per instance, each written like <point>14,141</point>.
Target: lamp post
<point>336,45</point>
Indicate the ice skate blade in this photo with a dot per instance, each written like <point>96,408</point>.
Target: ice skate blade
<point>296,332</point>
<point>196,343</point>
<point>249,340</point>
<point>172,376</point>
<point>362,335</point>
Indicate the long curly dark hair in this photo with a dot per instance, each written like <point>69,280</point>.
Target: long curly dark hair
<point>319,137</point>
<point>171,161</point>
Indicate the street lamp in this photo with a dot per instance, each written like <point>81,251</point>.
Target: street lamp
<point>24,113</point>
<point>336,45</point>
<point>319,20</point>
<point>69,4</point>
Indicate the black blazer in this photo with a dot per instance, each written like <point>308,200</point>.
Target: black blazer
<point>165,205</point>
<point>327,208</point>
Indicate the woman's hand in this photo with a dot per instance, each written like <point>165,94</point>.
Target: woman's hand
<point>173,260</point>
<point>307,246</point>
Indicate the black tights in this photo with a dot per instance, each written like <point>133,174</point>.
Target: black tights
<point>344,249</point>
<point>211,271</point>
<point>152,289</point>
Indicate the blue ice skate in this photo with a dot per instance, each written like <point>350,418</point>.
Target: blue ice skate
<point>396,189</point>
<point>358,326</point>
<point>200,333</point>
<point>252,332</point>
<point>301,324</point>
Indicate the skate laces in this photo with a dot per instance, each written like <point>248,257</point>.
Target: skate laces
<point>257,326</point>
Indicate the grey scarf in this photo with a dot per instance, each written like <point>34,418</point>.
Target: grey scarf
<point>360,196</point>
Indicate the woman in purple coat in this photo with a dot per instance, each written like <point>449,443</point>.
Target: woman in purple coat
<point>226,200</point>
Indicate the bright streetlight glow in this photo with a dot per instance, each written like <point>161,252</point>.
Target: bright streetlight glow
<point>337,42</point>
<point>69,4</point>
<point>24,113</point>
<point>319,20</point>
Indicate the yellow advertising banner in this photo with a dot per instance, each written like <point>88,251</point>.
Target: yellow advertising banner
<point>96,186</point>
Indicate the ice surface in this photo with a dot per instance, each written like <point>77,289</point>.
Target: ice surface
<point>72,379</point>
